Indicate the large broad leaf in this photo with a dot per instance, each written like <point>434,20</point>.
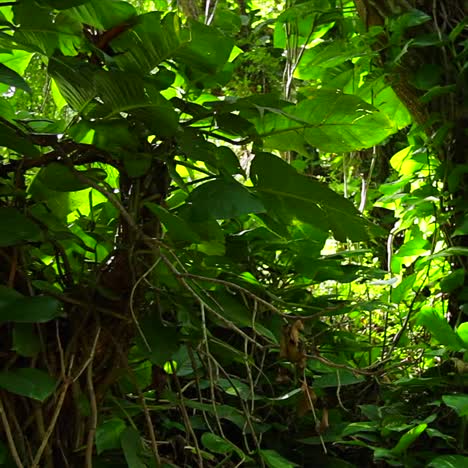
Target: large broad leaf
<point>39,31</point>
<point>206,48</point>
<point>123,92</point>
<point>14,307</point>
<point>114,135</point>
<point>74,80</point>
<point>132,447</point>
<point>16,228</point>
<point>11,78</point>
<point>222,199</point>
<point>149,42</point>
<point>178,229</point>
<point>310,20</point>
<point>61,4</point>
<point>103,14</point>
<point>163,341</point>
<point>108,435</point>
<point>31,383</point>
<point>440,329</point>
<point>292,195</point>
<point>60,178</point>
<point>328,120</point>
<point>457,402</point>
<point>16,60</point>
<point>195,147</point>
<point>449,461</point>
<point>16,140</point>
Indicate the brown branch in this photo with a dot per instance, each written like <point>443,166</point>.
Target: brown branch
<point>53,422</point>
<point>9,435</point>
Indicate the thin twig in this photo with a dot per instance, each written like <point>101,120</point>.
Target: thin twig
<point>149,424</point>
<point>132,295</point>
<point>181,279</point>
<point>53,422</point>
<point>9,435</point>
<point>93,404</point>
<point>91,356</point>
<point>185,416</point>
<point>210,370</point>
<point>60,348</point>
<point>314,413</point>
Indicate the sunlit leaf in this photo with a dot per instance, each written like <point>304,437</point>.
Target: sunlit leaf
<point>328,120</point>
<point>440,329</point>
<point>408,438</point>
<point>289,194</point>
<point>11,78</point>
<point>151,40</point>
<point>103,14</point>
<point>222,199</point>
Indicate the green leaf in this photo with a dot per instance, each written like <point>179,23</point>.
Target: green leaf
<point>414,247</point>
<point>132,446</point>
<point>333,380</point>
<point>451,252</point>
<point>60,178</point>
<point>26,342</point>
<point>178,229</point>
<point>16,60</point>
<point>273,459</point>
<point>408,438</point>
<point>440,329</point>
<point>288,194</point>
<point>457,402</point>
<point>453,281</point>
<point>123,92</point>
<point>108,435</point>
<point>15,307</point>
<point>222,199</point>
<point>449,461</point>
<point>358,427</point>
<point>61,4</point>
<point>103,14</point>
<point>216,444</point>
<point>162,340</point>
<point>11,78</point>
<point>16,140</point>
<point>206,48</point>
<point>150,41</point>
<point>16,228</point>
<point>75,81</point>
<point>462,332</point>
<point>328,120</point>
<point>42,32</point>
<point>31,383</point>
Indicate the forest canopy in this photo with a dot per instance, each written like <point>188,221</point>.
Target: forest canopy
<point>233,233</point>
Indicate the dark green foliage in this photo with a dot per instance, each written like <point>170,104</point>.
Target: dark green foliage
<point>232,240</point>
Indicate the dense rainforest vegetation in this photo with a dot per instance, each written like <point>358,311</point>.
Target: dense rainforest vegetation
<point>233,233</point>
